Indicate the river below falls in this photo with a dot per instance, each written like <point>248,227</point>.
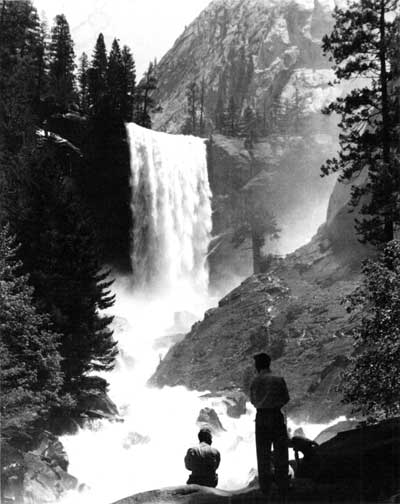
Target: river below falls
<point>146,450</point>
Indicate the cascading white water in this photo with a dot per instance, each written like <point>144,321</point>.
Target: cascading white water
<point>171,209</point>
<point>172,225</point>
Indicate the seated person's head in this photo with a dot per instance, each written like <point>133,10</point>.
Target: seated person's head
<point>262,361</point>
<point>205,435</point>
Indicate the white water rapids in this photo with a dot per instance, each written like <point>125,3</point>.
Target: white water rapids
<point>172,213</point>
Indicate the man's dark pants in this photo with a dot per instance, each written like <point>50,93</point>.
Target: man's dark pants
<point>271,430</point>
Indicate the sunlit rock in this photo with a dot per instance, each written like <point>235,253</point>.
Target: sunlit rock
<point>209,418</point>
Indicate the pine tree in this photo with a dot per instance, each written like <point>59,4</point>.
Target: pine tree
<point>98,74</point>
<point>129,84</point>
<point>360,46</point>
<point>219,115</point>
<point>371,383</point>
<point>248,127</point>
<point>202,107</point>
<point>190,126</point>
<point>30,359</point>
<point>59,249</point>
<point>253,219</point>
<point>115,78</point>
<point>20,49</point>
<point>232,118</point>
<point>83,81</point>
<point>145,102</point>
<point>62,65</point>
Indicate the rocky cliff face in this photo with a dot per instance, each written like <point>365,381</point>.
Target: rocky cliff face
<point>253,50</point>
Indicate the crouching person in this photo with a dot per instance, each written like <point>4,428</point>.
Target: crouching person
<point>203,460</point>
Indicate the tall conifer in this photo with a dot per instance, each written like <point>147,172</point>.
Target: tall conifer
<point>62,64</point>
<point>129,84</point>
<point>98,73</point>
<point>145,102</point>
<point>30,374</point>
<point>360,46</point>
<point>83,81</point>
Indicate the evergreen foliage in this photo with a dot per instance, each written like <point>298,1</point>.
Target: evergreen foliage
<point>360,46</point>
<point>61,64</point>
<point>115,77</point>
<point>248,127</point>
<point>145,103</point>
<point>30,360</point>
<point>58,247</point>
<point>98,74</point>
<point>41,179</point>
<point>190,126</point>
<point>106,150</point>
<point>83,82</point>
<point>128,84</point>
<point>254,219</point>
<point>371,384</point>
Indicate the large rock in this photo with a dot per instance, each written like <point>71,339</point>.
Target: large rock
<point>236,402</point>
<point>208,418</point>
<point>44,483</point>
<point>368,455</point>
<point>39,476</point>
<point>52,450</point>
<point>333,430</point>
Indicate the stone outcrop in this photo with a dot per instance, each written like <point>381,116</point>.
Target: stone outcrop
<point>40,475</point>
<point>331,432</point>
<point>208,418</point>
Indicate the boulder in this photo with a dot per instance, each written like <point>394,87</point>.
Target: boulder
<point>299,432</point>
<point>330,432</point>
<point>52,451</point>
<point>45,483</point>
<point>235,404</point>
<point>368,455</point>
<point>97,404</point>
<point>209,418</point>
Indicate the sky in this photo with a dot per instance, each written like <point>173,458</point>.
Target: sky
<point>148,27</point>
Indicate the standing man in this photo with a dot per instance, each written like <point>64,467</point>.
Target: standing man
<point>268,393</point>
<point>203,460</point>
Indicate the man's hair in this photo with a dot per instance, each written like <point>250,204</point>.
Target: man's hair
<point>262,361</point>
<point>205,435</point>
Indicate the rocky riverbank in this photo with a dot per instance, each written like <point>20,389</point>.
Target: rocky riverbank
<point>356,466</point>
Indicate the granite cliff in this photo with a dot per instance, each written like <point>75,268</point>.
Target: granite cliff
<point>253,50</point>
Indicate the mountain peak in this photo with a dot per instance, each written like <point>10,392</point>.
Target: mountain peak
<point>245,49</point>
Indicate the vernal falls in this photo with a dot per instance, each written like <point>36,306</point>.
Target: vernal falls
<point>171,206</point>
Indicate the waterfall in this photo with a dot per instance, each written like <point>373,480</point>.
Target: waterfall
<point>171,209</point>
